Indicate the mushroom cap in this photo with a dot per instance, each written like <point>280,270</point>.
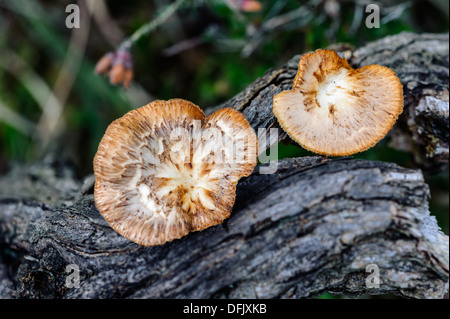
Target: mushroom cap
<point>164,170</point>
<point>336,110</point>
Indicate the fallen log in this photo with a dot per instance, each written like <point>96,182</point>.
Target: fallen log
<point>421,62</point>
<point>315,225</point>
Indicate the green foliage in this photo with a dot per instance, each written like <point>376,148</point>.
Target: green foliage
<point>208,73</point>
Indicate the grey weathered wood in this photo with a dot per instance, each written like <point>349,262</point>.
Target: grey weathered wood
<point>421,62</point>
<point>422,65</point>
<point>313,226</point>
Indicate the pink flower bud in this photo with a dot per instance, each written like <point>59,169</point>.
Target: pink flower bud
<point>250,6</point>
<point>103,65</point>
<point>128,77</point>
<point>117,73</point>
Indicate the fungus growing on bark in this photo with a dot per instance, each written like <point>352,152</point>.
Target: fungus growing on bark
<point>164,170</point>
<point>336,110</point>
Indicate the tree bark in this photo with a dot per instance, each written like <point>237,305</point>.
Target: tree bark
<point>315,225</point>
<point>421,62</point>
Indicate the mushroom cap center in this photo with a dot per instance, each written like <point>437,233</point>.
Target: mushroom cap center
<point>332,90</point>
<point>336,110</point>
<point>165,169</point>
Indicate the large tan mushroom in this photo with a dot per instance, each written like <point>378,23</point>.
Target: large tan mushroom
<point>336,110</point>
<point>164,170</point>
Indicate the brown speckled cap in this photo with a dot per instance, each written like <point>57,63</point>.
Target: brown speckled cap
<point>336,110</point>
<point>164,170</point>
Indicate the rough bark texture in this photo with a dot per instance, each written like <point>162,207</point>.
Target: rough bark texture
<point>422,65</point>
<point>313,226</point>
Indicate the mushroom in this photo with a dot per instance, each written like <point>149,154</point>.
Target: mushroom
<point>336,110</point>
<point>165,169</point>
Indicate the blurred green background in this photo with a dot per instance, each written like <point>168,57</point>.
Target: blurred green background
<point>51,100</point>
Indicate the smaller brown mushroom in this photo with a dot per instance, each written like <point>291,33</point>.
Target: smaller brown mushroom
<point>164,170</point>
<point>336,110</point>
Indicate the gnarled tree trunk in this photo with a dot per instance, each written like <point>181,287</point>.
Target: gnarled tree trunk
<point>316,225</point>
